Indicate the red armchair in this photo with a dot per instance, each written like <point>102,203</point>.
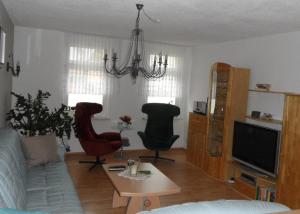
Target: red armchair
<point>92,143</point>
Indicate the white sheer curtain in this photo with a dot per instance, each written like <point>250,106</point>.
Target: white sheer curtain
<point>86,78</point>
<point>173,86</point>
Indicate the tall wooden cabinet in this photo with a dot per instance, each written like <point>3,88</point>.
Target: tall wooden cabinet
<point>227,102</point>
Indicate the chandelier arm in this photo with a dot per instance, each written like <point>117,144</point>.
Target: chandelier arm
<point>144,61</point>
<point>108,70</point>
<point>150,72</point>
<point>128,55</point>
<point>120,72</point>
<point>147,74</point>
<point>144,72</point>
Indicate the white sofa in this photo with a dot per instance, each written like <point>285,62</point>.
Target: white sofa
<point>221,207</point>
<point>47,188</point>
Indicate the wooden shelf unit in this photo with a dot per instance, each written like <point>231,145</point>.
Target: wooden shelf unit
<point>287,183</point>
<point>274,121</point>
<point>288,178</point>
<point>249,189</point>
<point>274,92</point>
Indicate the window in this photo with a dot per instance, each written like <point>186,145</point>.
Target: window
<point>73,99</point>
<point>2,45</point>
<point>170,100</point>
<point>87,81</point>
<point>163,90</point>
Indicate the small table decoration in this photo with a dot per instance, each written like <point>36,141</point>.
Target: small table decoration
<point>124,123</point>
<point>133,172</point>
<point>140,175</point>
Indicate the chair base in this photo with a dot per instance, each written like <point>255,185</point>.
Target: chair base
<point>156,157</point>
<point>95,163</point>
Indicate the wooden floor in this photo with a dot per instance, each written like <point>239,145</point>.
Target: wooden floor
<point>96,191</point>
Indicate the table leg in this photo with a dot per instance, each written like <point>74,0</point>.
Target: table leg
<point>137,204</point>
<point>119,201</point>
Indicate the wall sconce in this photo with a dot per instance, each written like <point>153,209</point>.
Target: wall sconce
<point>10,67</point>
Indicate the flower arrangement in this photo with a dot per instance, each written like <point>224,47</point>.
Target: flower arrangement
<point>124,123</point>
<point>126,119</point>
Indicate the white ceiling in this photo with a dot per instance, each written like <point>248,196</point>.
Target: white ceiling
<point>182,21</point>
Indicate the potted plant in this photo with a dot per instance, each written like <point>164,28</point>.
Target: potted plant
<point>32,117</point>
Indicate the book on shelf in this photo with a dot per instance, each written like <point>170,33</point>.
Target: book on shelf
<point>265,194</point>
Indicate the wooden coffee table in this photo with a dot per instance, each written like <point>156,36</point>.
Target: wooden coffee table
<point>140,195</point>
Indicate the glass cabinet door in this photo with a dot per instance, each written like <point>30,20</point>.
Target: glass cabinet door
<point>218,95</point>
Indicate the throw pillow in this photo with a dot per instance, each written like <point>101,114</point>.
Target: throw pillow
<point>13,211</point>
<point>40,149</point>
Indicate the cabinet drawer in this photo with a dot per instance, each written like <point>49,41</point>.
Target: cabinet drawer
<point>245,188</point>
<point>198,123</point>
<point>198,118</point>
<point>197,128</point>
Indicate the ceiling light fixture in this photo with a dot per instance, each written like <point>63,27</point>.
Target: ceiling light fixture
<point>135,60</point>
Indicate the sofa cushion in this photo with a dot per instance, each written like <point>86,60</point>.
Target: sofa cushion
<point>12,170</point>
<point>14,211</point>
<point>46,188</point>
<point>48,176</point>
<point>55,200</point>
<point>40,149</point>
<point>221,206</point>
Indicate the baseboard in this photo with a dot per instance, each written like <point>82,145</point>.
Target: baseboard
<point>73,154</point>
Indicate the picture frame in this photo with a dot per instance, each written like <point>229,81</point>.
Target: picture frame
<point>255,114</point>
<point>2,45</point>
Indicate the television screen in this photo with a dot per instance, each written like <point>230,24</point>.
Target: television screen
<point>256,147</point>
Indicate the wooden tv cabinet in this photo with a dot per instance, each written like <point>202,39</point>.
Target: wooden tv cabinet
<point>287,183</point>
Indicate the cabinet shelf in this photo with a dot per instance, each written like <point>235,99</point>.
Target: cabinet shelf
<point>273,121</point>
<point>274,92</point>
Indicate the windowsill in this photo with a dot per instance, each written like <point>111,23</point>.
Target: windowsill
<point>100,118</point>
<point>108,118</point>
<point>176,118</point>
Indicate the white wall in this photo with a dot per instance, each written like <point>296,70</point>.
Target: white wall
<point>272,59</point>
<point>5,77</point>
<point>41,53</point>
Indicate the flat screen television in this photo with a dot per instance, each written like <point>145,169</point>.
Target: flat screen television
<point>256,147</point>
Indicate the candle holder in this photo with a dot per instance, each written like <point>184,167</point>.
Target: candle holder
<point>10,67</point>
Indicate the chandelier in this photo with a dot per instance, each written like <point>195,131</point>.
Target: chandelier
<point>135,60</point>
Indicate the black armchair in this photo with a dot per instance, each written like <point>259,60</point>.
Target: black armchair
<point>159,133</point>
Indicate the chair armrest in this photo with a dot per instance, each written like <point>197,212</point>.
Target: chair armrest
<point>100,147</point>
<point>172,140</point>
<point>109,136</point>
<point>142,135</point>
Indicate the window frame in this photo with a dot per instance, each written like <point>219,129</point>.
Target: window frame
<point>90,74</point>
